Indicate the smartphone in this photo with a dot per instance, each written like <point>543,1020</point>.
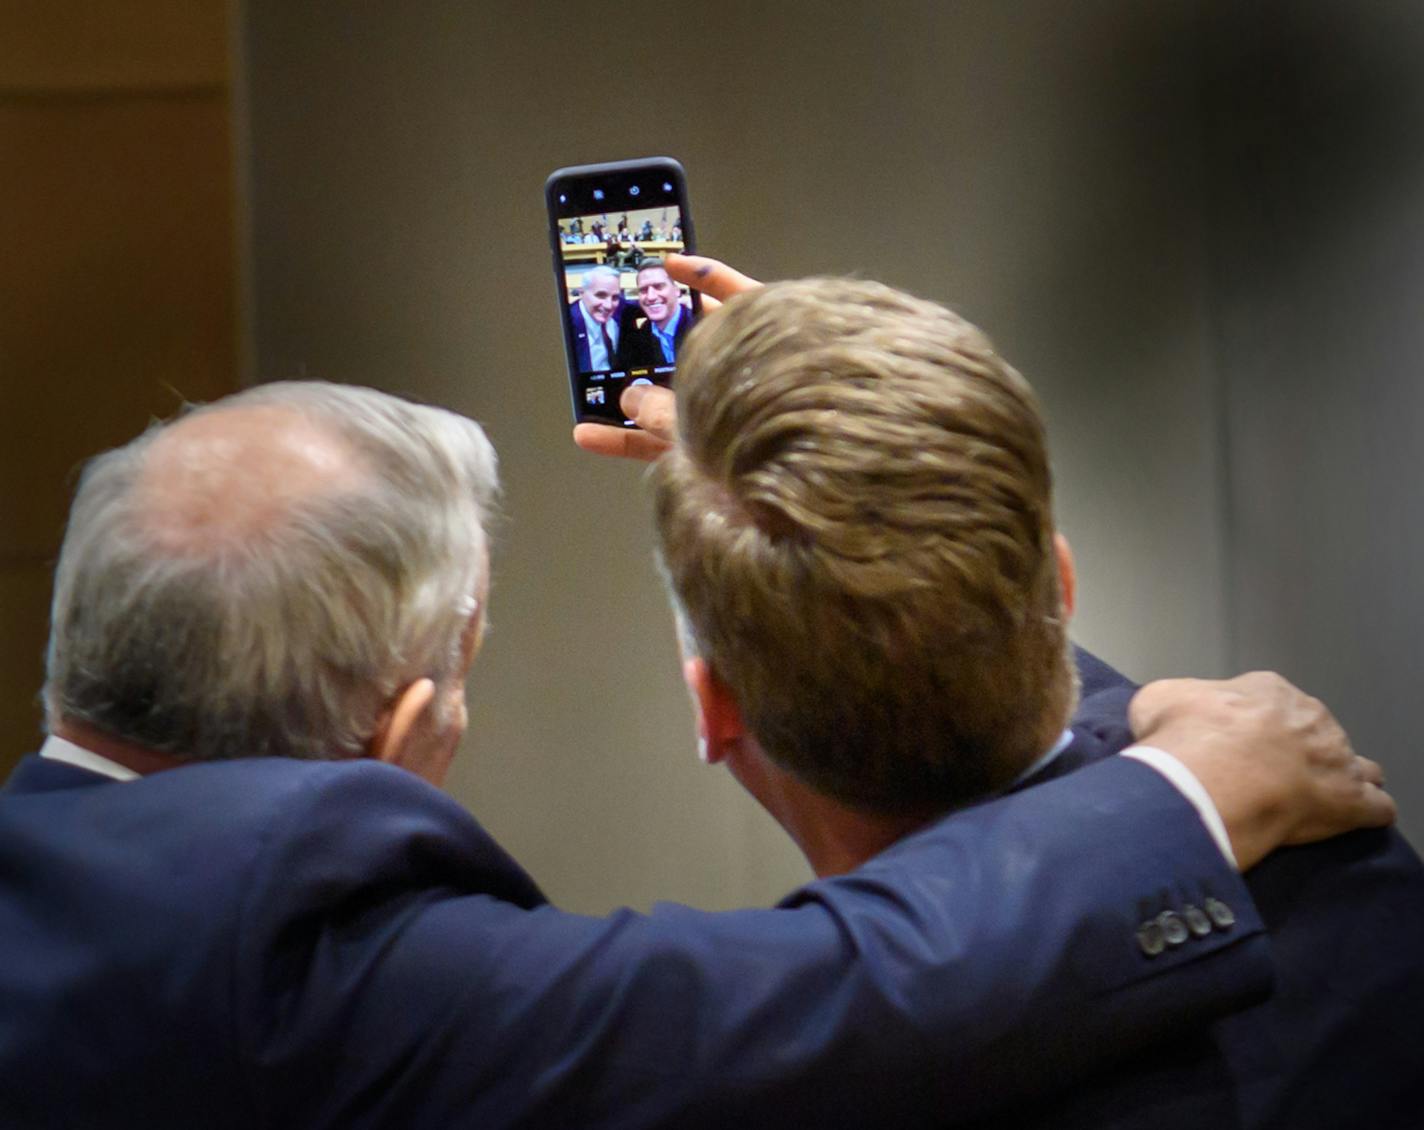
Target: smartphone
<point>623,318</point>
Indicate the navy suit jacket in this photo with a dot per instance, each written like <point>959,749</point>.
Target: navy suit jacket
<point>579,327</point>
<point>642,348</point>
<point>269,942</point>
<point>1340,1042</point>
<point>274,943</point>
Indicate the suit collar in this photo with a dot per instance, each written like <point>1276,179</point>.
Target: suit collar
<point>35,774</point>
<point>56,748</point>
<point>1085,746</point>
<point>1064,740</point>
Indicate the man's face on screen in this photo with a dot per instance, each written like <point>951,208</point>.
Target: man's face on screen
<point>600,297</point>
<point>657,294</point>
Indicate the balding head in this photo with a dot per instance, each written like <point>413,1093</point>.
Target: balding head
<point>262,575</point>
<point>223,478</point>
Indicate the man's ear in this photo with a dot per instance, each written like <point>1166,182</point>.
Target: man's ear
<point>394,740</point>
<point>719,718</point>
<point>1067,575</point>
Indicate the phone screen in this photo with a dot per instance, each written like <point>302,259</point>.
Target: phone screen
<point>624,319</point>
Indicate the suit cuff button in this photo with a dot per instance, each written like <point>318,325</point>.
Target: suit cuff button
<point>1221,915</point>
<point>1174,930</point>
<point>1197,921</point>
<point>1150,938</point>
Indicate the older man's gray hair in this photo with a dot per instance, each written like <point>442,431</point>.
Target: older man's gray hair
<point>210,607</point>
<point>590,276</point>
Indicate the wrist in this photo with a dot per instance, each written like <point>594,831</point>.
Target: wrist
<point>1186,782</point>
<point>1249,812</point>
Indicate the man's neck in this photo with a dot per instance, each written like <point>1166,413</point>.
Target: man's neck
<point>130,755</point>
<point>834,837</point>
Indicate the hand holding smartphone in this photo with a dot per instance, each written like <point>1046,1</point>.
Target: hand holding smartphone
<point>655,408</point>
<point>624,318</point>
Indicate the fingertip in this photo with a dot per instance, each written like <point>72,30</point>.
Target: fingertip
<point>631,402</point>
<point>602,439</point>
<point>582,436</point>
<point>689,268</point>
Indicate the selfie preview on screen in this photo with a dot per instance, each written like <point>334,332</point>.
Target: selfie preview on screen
<point>626,318</point>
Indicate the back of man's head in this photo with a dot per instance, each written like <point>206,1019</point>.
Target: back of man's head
<point>856,521</point>
<point>260,576</point>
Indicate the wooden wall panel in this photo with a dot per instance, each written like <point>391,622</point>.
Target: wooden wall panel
<point>24,618</point>
<point>117,267</point>
<point>116,294</point>
<point>104,46</point>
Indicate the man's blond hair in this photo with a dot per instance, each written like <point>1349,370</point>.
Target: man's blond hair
<point>856,522</point>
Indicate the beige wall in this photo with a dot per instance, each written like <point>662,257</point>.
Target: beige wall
<point>1032,166</point>
<point>116,267</point>
<point>1046,167</point>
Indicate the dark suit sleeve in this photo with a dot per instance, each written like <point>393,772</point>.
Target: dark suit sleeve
<point>635,342</point>
<point>582,357</point>
<point>396,970</point>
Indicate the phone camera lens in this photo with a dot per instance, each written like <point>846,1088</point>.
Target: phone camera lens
<point>634,190</point>
<point>598,194</point>
<point>667,186</point>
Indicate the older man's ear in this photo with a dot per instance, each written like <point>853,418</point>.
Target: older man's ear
<point>400,720</point>
<point>419,733</point>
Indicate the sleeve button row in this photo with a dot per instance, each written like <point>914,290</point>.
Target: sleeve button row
<point>1197,921</point>
<point>1172,928</point>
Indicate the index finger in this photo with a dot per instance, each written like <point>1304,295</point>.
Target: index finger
<point>622,443</point>
<point>714,279</point>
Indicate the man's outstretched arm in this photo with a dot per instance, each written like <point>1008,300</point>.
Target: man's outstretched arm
<point>994,955</point>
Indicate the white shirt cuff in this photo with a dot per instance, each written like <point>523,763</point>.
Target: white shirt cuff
<point>1186,783</point>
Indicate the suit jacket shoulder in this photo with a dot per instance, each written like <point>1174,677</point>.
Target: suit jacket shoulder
<point>1338,1043</point>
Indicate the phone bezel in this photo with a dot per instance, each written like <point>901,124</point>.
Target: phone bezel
<point>577,184</point>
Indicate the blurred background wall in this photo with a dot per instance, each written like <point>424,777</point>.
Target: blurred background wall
<point>1313,117</point>
<point>1194,225</point>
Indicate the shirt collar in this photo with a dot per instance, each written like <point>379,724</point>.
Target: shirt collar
<point>1063,742</point>
<point>671,326</point>
<point>58,749</point>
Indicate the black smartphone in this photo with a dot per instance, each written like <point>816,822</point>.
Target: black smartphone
<point>623,318</point>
